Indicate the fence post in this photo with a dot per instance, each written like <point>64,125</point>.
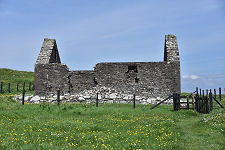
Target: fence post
<point>187,102</point>
<point>17,87</point>
<point>178,101</point>
<point>58,97</point>
<point>30,86</point>
<point>134,101</point>
<point>23,95</point>
<point>207,105</point>
<point>24,86</point>
<point>9,88</point>
<point>33,87</point>
<point>196,103</point>
<point>220,94</point>
<point>193,101</point>
<point>200,92</point>
<point>210,101</point>
<point>1,87</point>
<point>196,90</point>
<point>203,93</point>
<point>175,103</point>
<point>207,93</point>
<point>215,93</point>
<point>97,100</point>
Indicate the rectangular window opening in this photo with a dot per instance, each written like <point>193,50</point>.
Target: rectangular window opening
<point>132,68</point>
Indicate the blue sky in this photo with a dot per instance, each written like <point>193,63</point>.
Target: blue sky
<point>92,31</point>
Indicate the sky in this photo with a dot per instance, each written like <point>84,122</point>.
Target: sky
<point>92,31</point>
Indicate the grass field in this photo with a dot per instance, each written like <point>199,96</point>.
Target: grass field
<point>110,126</point>
<point>13,77</point>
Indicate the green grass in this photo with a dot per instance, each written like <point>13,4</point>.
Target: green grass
<point>110,126</point>
<point>13,77</point>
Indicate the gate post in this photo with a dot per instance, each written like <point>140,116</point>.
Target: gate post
<point>193,101</point>
<point>175,102</point>
<point>188,102</point>
<point>197,103</point>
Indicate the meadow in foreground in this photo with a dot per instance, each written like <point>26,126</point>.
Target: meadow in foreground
<point>110,126</point>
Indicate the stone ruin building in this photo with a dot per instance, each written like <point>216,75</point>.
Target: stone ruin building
<point>114,81</point>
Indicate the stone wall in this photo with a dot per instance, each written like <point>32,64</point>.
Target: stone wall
<point>49,52</point>
<point>81,80</point>
<point>116,82</point>
<point>158,79</point>
<point>171,52</point>
<point>50,78</point>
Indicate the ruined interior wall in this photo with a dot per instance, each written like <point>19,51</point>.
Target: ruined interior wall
<point>50,78</point>
<point>81,80</point>
<point>158,79</point>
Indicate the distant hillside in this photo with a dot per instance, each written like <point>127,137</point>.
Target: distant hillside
<point>13,77</point>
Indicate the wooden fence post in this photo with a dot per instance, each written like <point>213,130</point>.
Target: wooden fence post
<point>193,101</point>
<point>203,93</point>
<point>1,87</point>
<point>30,86</point>
<point>215,93</point>
<point>220,94</point>
<point>197,103</point>
<point>175,101</point>
<point>187,102</point>
<point>200,92</point>
<point>17,87</point>
<point>9,90</point>
<point>33,87</point>
<point>24,86</point>
<point>196,90</point>
<point>210,101</point>
<point>23,95</point>
<point>178,101</point>
<point>97,100</point>
<point>207,93</point>
<point>134,101</point>
<point>58,97</point>
<point>207,105</point>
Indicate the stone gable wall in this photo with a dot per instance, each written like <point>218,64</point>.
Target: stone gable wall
<point>50,77</point>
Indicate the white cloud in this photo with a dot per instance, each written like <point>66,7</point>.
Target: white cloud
<point>206,81</point>
<point>185,76</point>
<point>193,77</point>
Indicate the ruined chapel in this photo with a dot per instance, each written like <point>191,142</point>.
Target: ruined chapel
<point>112,80</point>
